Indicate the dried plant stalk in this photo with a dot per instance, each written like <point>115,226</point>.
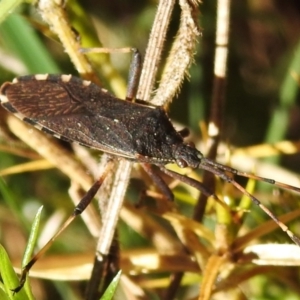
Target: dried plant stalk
<point>181,55</point>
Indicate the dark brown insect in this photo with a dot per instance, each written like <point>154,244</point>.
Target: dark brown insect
<point>79,111</point>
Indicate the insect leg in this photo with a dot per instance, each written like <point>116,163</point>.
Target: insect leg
<point>134,74</point>
<point>80,207</point>
<point>134,69</point>
<point>159,182</point>
<point>194,183</point>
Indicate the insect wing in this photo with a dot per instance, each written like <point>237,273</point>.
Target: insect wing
<point>68,108</point>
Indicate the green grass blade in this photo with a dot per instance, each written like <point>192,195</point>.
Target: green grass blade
<point>11,202</point>
<point>23,41</point>
<point>111,290</point>
<point>10,278</point>
<point>7,6</point>
<point>3,295</point>
<point>30,247</point>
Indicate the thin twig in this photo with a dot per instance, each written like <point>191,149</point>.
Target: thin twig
<point>154,49</point>
<point>181,55</point>
<point>214,132</point>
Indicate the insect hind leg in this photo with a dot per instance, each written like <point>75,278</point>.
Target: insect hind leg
<point>80,207</point>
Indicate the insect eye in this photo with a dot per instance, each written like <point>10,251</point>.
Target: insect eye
<point>181,163</point>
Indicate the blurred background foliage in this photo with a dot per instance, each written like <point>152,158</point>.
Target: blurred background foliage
<point>262,106</point>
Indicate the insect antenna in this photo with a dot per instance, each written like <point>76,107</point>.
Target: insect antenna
<point>252,176</point>
<point>220,171</point>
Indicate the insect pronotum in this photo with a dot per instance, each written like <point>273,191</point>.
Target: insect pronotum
<point>79,111</point>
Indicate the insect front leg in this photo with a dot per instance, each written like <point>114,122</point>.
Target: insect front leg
<point>159,182</point>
